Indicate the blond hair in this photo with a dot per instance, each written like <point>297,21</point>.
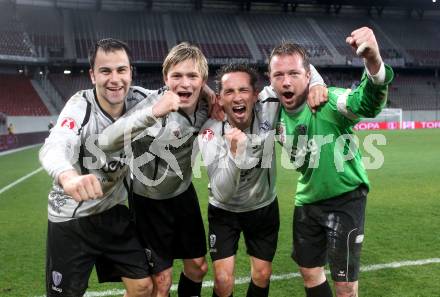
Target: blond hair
<point>182,52</point>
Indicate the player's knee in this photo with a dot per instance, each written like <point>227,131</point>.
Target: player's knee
<point>223,283</point>
<point>261,276</point>
<point>197,269</point>
<point>142,288</point>
<point>162,283</point>
<point>312,277</point>
<point>346,289</point>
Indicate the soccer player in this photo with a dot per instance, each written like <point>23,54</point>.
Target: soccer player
<point>165,203</point>
<point>89,223</point>
<point>333,185</point>
<point>240,200</point>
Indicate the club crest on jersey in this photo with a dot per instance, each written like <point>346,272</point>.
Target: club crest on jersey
<point>177,133</point>
<point>265,126</point>
<point>68,123</point>
<point>281,131</point>
<point>207,134</point>
<point>212,240</point>
<point>301,129</point>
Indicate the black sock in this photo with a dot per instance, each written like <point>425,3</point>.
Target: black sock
<point>187,287</point>
<point>322,290</point>
<point>215,295</point>
<point>256,291</point>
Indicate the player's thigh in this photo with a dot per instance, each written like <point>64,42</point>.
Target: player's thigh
<point>224,233</point>
<point>69,261</point>
<point>345,240</point>
<point>155,225</point>
<point>189,238</point>
<point>309,237</point>
<point>260,230</point>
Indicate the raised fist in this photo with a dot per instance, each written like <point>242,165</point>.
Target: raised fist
<point>169,102</point>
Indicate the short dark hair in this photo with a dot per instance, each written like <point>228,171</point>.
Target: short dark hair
<point>290,48</point>
<point>108,45</point>
<point>236,67</point>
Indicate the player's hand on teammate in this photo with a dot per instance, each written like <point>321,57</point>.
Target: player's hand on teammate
<point>318,96</point>
<point>80,187</point>
<point>364,42</point>
<point>169,102</point>
<point>209,96</point>
<point>237,141</point>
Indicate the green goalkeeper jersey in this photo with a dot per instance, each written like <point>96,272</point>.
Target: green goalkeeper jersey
<point>321,145</point>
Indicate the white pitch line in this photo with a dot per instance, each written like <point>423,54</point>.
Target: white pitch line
<point>8,152</point>
<point>4,189</point>
<point>245,280</point>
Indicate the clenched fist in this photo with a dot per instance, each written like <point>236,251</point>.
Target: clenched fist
<point>80,187</point>
<point>169,102</point>
<point>364,42</point>
<point>237,140</point>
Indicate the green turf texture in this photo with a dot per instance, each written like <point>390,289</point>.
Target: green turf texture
<point>403,223</point>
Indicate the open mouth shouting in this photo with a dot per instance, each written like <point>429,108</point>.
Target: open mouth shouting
<point>239,110</point>
<point>184,95</point>
<point>288,95</point>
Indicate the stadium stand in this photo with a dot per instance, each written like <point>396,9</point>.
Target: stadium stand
<point>338,28</point>
<point>45,29</point>
<point>14,40</point>
<point>142,32</point>
<point>41,33</point>
<point>18,97</point>
<point>420,38</point>
<point>268,31</point>
<point>415,92</point>
<point>216,34</point>
<point>69,85</point>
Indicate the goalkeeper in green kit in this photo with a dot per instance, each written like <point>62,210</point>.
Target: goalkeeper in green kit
<point>330,201</point>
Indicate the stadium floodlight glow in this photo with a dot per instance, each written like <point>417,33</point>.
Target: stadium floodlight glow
<point>67,71</point>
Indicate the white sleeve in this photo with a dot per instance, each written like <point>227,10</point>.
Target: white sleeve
<point>223,173</point>
<point>315,77</point>
<point>127,127</point>
<point>61,148</point>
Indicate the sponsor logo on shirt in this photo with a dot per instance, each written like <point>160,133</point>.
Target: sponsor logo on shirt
<point>207,134</point>
<point>68,123</point>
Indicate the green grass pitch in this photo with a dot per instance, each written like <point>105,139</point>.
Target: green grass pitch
<point>403,223</point>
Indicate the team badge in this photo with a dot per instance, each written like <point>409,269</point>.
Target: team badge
<point>301,129</point>
<point>212,240</point>
<point>281,131</point>
<point>68,123</point>
<point>56,277</point>
<point>265,126</point>
<point>207,134</point>
<point>177,133</point>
